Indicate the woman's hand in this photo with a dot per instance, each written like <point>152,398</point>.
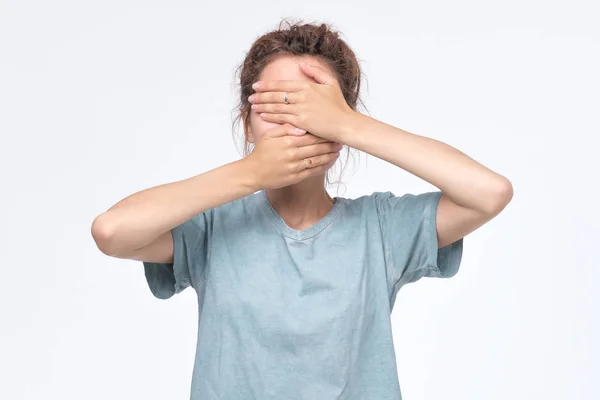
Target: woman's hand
<point>282,157</point>
<point>316,106</point>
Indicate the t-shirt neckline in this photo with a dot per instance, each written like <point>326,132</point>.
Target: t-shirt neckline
<point>295,233</point>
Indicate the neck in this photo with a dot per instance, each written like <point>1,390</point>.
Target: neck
<point>303,204</point>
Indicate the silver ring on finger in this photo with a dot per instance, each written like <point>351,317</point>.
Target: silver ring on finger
<point>286,99</point>
<point>308,162</point>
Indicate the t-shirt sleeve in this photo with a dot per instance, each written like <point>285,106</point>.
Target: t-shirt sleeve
<point>409,232</point>
<point>190,251</point>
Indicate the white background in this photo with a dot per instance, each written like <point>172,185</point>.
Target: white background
<point>102,99</point>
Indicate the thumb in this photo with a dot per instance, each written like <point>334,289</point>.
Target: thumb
<point>283,130</point>
<point>316,73</point>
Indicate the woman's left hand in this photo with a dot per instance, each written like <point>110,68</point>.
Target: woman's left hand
<point>316,106</point>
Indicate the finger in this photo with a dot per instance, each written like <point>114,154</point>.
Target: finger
<point>318,149</point>
<point>275,108</point>
<point>317,73</point>
<point>280,118</point>
<point>318,163</point>
<point>269,97</point>
<point>308,139</point>
<point>283,130</point>
<point>280,86</point>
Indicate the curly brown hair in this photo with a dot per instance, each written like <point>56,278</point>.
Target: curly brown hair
<point>298,39</point>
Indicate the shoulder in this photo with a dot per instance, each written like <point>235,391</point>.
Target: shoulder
<point>378,198</point>
<point>240,210</point>
<point>386,203</point>
<point>234,209</point>
<point>364,206</point>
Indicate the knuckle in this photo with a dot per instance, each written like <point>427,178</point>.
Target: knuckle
<point>291,154</point>
<point>299,141</point>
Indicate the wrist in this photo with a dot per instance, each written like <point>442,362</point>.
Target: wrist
<point>351,126</point>
<point>248,174</point>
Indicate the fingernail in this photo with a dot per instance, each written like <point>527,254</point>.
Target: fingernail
<point>256,85</point>
<point>251,98</point>
<point>298,130</point>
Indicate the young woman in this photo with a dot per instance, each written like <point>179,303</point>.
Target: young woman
<point>295,288</point>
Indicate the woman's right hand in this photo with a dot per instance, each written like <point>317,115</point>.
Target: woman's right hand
<point>278,158</point>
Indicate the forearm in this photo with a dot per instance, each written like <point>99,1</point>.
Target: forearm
<point>140,218</point>
<point>465,181</point>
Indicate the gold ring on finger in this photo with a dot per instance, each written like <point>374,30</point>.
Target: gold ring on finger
<point>307,162</point>
<point>285,99</point>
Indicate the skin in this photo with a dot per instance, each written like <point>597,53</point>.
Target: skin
<point>472,193</point>
<point>139,226</point>
<point>302,204</point>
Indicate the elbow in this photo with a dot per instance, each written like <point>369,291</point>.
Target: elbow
<point>103,234</point>
<point>500,196</point>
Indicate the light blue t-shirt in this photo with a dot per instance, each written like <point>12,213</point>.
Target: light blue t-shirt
<point>302,314</point>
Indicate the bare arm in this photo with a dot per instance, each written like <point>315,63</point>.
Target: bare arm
<point>472,193</point>
<point>139,226</point>
<point>128,228</point>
